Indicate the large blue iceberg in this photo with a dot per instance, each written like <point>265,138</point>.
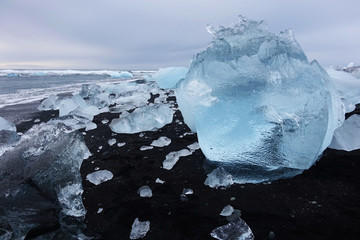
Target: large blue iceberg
<point>260,109</point>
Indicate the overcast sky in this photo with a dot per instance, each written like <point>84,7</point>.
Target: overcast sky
<point>148,34</point>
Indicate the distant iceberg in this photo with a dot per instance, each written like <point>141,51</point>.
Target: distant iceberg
<point>260,109</point>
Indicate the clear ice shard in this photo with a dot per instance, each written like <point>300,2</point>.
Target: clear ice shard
<point>347,137</point>
<point>99,177</point>
<point>39,175</point>
<point>139,229</point>
<point>227,211</point>
<point>235,230</point>
<point>219,178</point>
<point>168,77</point>
<point>259,108</point>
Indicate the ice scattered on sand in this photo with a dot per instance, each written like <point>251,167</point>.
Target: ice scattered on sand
<point>99,176</point>
<point>187,191</point>
<point>236,230</point>
<point>158,180</point>
<point>139,229</point>
<point>161,142</point>
<point>173,157</point>
<point>145,191</point>
<point>66,106</point>
<point>6,125</point>
<point>144,148</point>
<point>193,147</point>
<point>227,211</point>
<point>121,144</point>
<point>219,178</point>
<point>100,210</point>
<point>112,141</point>
<point>168,77</point>
<point>347,137</point>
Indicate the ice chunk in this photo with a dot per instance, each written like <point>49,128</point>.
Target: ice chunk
<point>158,180</point>
<point>121,144</point>
<point>66,106</point>
<point>187,191</point>
<point>145,191</point>
<point>219,178</point>
<point>168,77</point>
<point>99,177</point>
<point>148,118</point>
<point>112,141</point>
<point>236,230</point>
<point>193,147</point>
<point>347,137</point>
<point>256,102</point>
<point>41,174</point>
<point>144,148</point>
<point>173,157</point>
<point>161,142</point>
<point>139,229</point>
<point>90,126</point>
<point>6,125</point>
<point>105,121</point>
<point>100,210</point>
<point>49,103</point>
<point>227,211</point>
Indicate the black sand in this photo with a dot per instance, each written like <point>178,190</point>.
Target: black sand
<point>321,203</point>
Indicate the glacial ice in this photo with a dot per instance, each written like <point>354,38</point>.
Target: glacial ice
<point>39,175</point>
<point>49,103</point>
<point>6,125</point>
<point>257,104</point>
<point>219,178</point>
<point>139,229</point>
<point>112,141</point>
<point>347,137</point>
<point>173,157</point>
<point>235,230</point>
<point>99,177</point>
<point>66,106</point>
<point>168,77</point>
<point>148,118</point>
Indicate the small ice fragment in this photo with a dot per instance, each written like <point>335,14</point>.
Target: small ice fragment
<point>145,191</point>
<point>121,144</point>
<point>161,142</point>
<point>347,137</point>
<point>173,157</point>
<point>158,180</point>
<point>90,126</point>
<point>99,176</point>
<point>105,121</point>
<point>271,235</point>
<point>219,178</point>
<point>232,198</point>
<point>112,141</point>
<point>97,168</point>
<point>139,229</point>
<point>236,230</point>
<point>48,104</point>
<point>100,147</point>
<point>187,191</point>
<point>193,147</point>
<point>141,134</point>
<point>227,211</point>
<point>36,120</point>
<point>144,148</point>
<point>100,210</point>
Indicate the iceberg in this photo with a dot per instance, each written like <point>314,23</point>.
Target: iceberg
<point>168,77</point>
<point>257,104</point>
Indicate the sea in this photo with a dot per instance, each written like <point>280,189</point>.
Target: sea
<point>26,86</point>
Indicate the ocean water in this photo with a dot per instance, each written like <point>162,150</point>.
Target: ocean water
<point>25,86</point>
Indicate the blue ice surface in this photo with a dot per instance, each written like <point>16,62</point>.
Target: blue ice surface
<point>259,108</point>
<point>168,77</point>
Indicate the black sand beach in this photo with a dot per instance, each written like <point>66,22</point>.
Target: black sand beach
<point>321,203</point>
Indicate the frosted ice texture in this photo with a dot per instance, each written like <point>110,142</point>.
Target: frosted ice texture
<point>255,100</point>
<point>347,137</point>
<point>168,77</point>
<point>139,229</point>
<point>99,177</point>
<point>49,103</point>
<point>235,230</point>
